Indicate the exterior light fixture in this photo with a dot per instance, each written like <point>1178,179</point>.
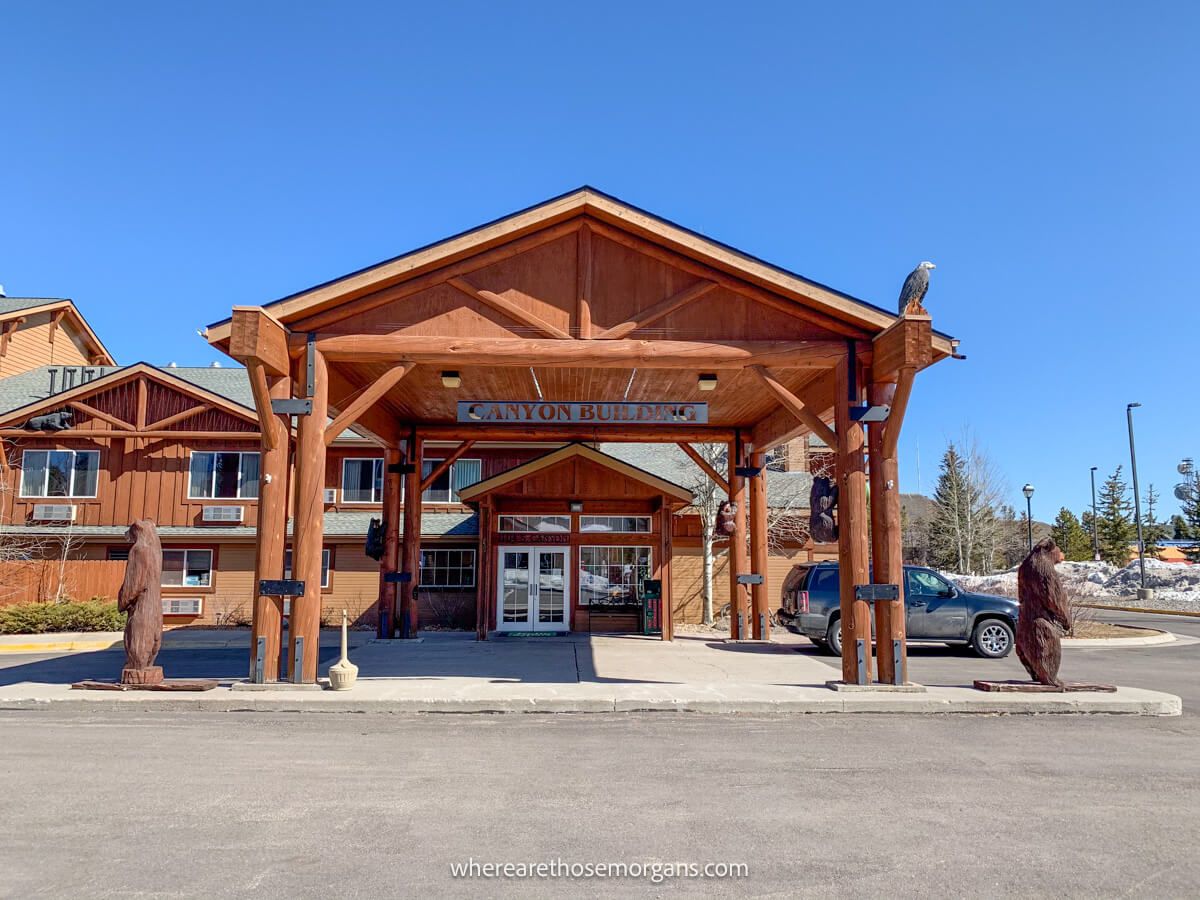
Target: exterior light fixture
<point>576,506</point>
<point>870,413</point>
<point>1028,492</point>
<point>707,381</point>
<point>451,379</point>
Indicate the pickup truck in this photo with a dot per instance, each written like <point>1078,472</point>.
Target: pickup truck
<point>935,610</point>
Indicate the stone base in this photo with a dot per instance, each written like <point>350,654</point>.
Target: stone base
<point>174,684</point>
<point>909,688</point>
<point>150,675</point>
<point>1032,687</point>
<point>758,641</point>
<point>273,686</point>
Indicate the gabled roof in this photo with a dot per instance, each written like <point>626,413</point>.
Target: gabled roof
<point>13,307</point>
<point>563,454</point>
<point>582,201</point>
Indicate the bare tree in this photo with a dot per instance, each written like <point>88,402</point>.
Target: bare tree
<point>969,529</point>
<point>708,500</point>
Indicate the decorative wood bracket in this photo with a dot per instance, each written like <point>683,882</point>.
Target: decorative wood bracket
<point>795,406</point>
<point>506,307</point>
<point>369,396</point>
<point>440,469</point>
<point>659,310</point>
<point>705,466</point>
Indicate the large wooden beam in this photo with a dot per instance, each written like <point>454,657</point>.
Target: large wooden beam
<point>84,408</point>
<point>393,482</point>
<point>483,570</point>
<point>506,307</point>
<point>617,354</point>
<point>739,595</point>
<point>261,391</point>
<point>760,605</point>
<point>908,343</point>
<point>899,404</point>
<point>147,434</point>
<point>886,545</point>
<point>583,282</point>
<point>167,422</point>
<point>308,537</point>
<point>795,406</point>
<point>411,547</point>
<point>369,397</point>
<point>441,468</point>
<point>705,466</point>
<point>377,421</point>
<point>675,302</point>
<point>255,335</point>
<point>271,533</point>
<point>852,532</point>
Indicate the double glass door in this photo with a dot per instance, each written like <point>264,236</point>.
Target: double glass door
<point>534,587</point>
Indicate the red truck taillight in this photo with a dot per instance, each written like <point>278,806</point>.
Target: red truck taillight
<point>802,602</point>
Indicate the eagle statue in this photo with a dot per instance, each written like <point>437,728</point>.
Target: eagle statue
<point>913,292</point>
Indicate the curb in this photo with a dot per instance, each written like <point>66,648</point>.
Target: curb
<point>119,643</point>
<point>1142,609</point>
<point>1162,637</point>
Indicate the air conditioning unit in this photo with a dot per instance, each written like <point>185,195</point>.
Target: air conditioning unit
<point>331,495</point>
<point>182,606</point>
<point>223,513</point>
<point>54,512</point>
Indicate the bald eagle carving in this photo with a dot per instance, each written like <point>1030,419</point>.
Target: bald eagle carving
<point>913,292</point>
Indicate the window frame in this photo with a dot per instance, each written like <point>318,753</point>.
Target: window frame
<point>433,463</point>
<point>471,569</point>
<point>326,566</point>
<point>46,479</point>
<point>649,520</point>
<point>379,465</point>
<point>192,454</point>
<point>212,568</point>
<point>500,522</point>
<point>608,547</point>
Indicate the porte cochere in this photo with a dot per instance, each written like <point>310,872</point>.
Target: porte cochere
<point>577,321</point>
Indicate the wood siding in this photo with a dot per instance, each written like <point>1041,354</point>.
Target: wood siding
<point>30,345</point>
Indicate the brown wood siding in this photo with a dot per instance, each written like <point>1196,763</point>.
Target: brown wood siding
<point>29,346</point>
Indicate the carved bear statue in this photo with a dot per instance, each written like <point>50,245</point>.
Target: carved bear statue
<point>140,598</point>
<point>55,421</point>
<point>727,518</point>
<point>1044,609</point>
<point>822,500</point>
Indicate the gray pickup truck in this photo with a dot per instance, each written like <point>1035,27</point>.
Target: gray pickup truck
<point>935,610</point>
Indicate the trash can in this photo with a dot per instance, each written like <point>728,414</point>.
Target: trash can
<point>651,606</point>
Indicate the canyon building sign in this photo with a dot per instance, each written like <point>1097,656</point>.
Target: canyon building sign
<point>546,412</point>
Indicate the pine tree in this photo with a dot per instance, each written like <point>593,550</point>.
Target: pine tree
<point>1179,528</point>
<point>1072,540</point>
<point>947,535</point>
<point>1153,531</point>
<point>1115,520</point>
<point>1191,512</point>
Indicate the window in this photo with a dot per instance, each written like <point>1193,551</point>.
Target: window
<point>926,584</point>
<point>59,473</point>
<point>534,524</point>
<point>825,580</point>
<point>187,568</point>
<point>448,569</point>
<point>223,476</point>
<point>612,575</point>
<point>620,524</point>
<point>118,554</point>
<point>325,562</point>
<point>445,489</point>
<point>362,480</point>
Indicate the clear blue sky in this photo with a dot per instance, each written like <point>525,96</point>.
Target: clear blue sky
<point>161,162</point>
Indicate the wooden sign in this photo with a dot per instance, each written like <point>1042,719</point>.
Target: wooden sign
<point>526,412</point>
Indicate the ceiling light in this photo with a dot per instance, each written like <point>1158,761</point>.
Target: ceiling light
<point>451,379</point>
<point>707,381</point>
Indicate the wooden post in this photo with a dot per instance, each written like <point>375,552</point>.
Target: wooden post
<point>666,552</point>
<point>411,547</point>
<point>267,614</point>
<point>483,566</point>
<point>309,530</point>
<point>739,599</point>
<point>852,530</point>
<point>887,546</point>
<point>392,485</point>
<point>760,612</point>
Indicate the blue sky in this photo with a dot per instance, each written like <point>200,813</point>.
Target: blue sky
<point>163,162</point>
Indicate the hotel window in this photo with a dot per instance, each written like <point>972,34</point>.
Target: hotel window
<point>615,524</point>
<point>534,524</point>
<point>445,489</point>
<point>59,473</point>
<point>362,480</point>
<point>325,560</point>
<point>447,569</point>
<point>223,476</point>
<point>187,568</point>
<point>612,575</point>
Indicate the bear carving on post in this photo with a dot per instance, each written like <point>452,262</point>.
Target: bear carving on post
<point>140,598</point>
<point>1044,609</point>
<point>822,500</point>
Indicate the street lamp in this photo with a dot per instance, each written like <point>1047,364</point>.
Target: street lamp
<point>1095,527</point>
<point>1143,593</point>
<point>1028,492</point>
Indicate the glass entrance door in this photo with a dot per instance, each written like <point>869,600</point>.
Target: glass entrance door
<point>534,587</point>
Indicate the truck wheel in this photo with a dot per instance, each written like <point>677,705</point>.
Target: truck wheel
<point>833,637</point>
<point>992,639</point>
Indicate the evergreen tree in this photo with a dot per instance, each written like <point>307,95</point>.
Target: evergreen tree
<point>1115,520</point>
<point>1153,531</point>
<point>1072,540</point>
<point>1191,513</point>
<point>1179,528</point>
<point>947,533</point>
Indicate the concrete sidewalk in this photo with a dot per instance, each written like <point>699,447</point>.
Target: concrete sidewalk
<point>186,638</point>
<point>452,673</point>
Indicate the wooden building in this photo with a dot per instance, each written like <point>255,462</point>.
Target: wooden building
<point>39,331</point>
<point>545,326</point>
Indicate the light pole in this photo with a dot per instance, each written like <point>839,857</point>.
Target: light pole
<point>1143,594</point>
<point>1095,526</point>
<point>1028,492</point>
